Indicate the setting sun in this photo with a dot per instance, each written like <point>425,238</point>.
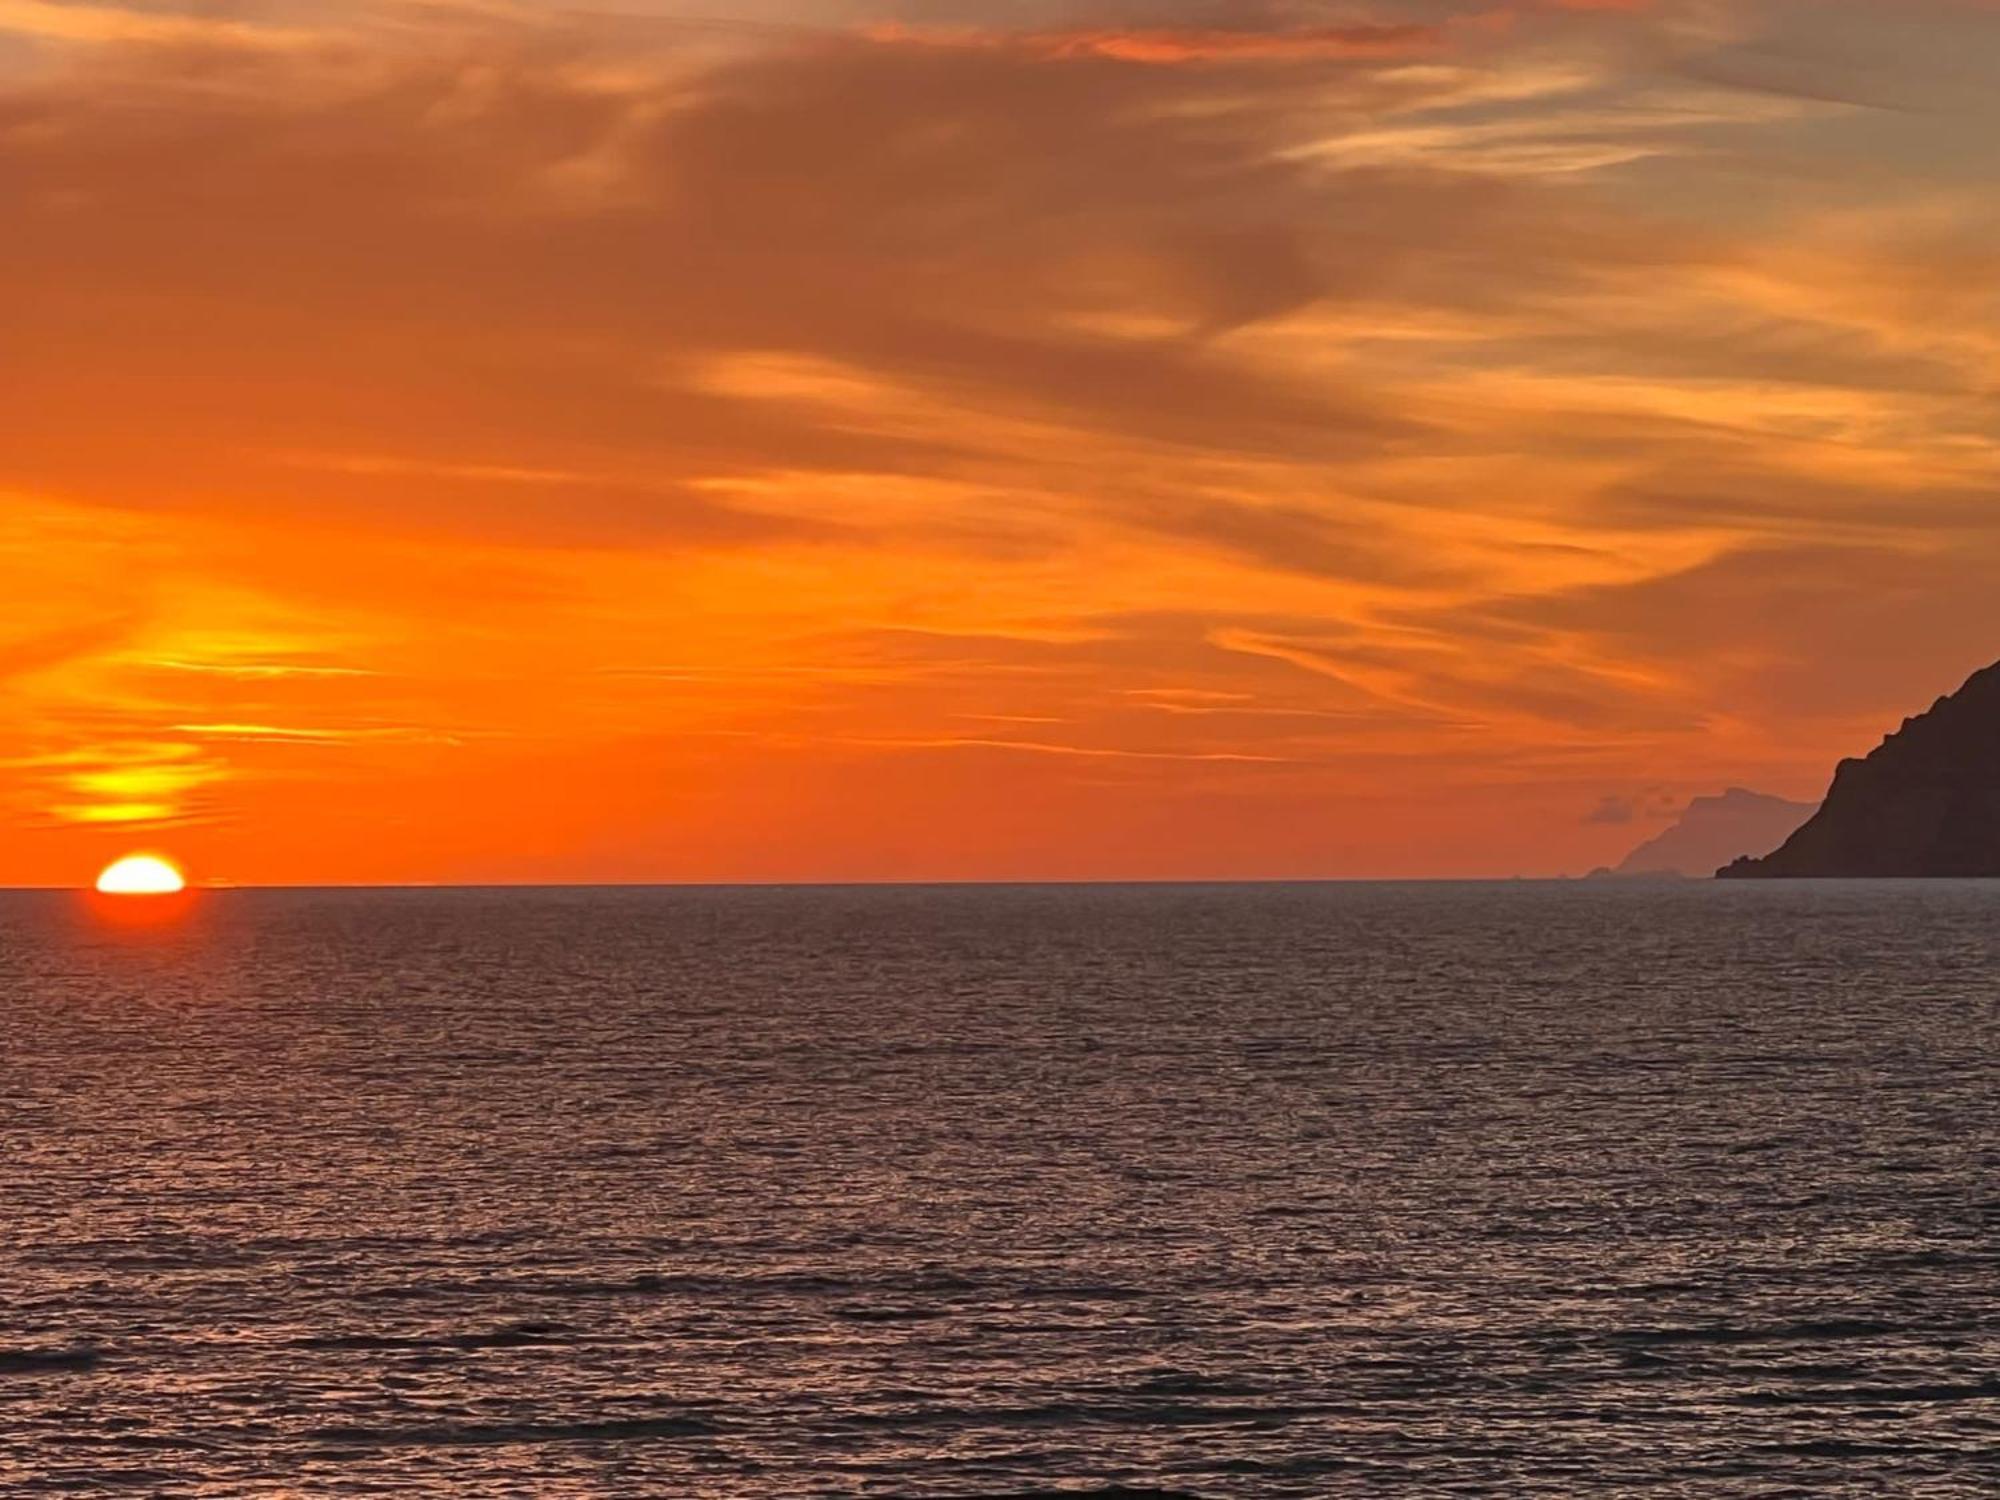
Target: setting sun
<point>141,875</point>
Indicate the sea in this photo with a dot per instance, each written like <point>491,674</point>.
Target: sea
<point>1512,1189</point>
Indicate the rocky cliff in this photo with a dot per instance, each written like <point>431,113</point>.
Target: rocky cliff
<point>1926,802</point>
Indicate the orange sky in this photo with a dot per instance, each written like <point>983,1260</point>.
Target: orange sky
<point>1125,438</point>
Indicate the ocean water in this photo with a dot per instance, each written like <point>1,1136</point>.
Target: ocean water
<point>1474,1190</point>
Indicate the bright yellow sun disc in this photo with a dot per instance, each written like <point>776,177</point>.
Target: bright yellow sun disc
<point>140,875</point>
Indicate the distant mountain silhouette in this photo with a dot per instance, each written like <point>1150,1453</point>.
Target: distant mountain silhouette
<point>1926,802</point>
<point>1713,831</point>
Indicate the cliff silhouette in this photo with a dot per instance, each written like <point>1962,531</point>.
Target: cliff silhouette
<point>1925,803</point>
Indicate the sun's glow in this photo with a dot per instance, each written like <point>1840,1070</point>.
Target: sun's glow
<point>140,875</point>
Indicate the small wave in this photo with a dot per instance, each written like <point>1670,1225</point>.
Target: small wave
<point>1876,1395</point>
<point>516,1336</point>
<point>1083,1291</point>
<point>660,1284</point>
<point>1192,1383</point>
<point>865,1313</point>
<point>492,1434</point>
<point>1083,1414</point>
<point>40,1361</point>
<point>1835,1448</point>
<point>1781,1333</point>
<point>141,1442</point>
<point>1924,1260</point>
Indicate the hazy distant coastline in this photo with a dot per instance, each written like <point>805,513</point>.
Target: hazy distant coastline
<point>1711,832</point>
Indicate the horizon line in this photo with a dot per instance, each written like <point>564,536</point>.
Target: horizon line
<point>199,887</point>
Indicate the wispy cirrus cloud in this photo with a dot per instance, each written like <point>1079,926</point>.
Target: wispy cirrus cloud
<point>1172,46</point>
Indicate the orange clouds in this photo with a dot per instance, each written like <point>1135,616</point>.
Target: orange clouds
<point>1174,45</point>
<point>1260,37</point>
<point>452,448</point>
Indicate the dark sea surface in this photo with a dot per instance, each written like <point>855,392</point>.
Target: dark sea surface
<point>1492,1190</point>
